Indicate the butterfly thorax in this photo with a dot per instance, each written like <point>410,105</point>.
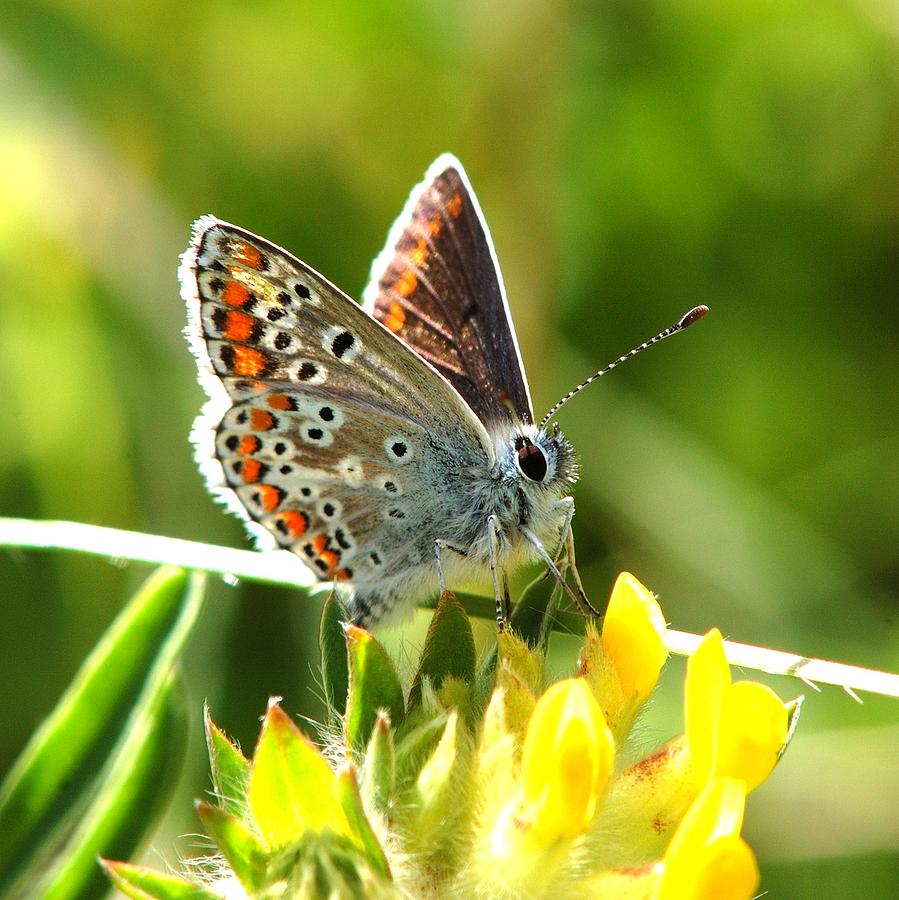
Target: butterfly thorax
<point>521,487</point>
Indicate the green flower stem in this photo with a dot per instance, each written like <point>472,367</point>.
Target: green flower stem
<point>282,569</point>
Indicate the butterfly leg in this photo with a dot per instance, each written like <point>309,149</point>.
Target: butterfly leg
<point>491,557</point>
<point>580,598</point>
<point>566,543</point>
<point>439,546</point>
<point>507,598</point>
<point>566,504</point>
<point>572,564</point>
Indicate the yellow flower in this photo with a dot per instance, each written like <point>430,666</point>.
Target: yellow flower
<point>566,761</point>
<point>735,730</point>
<point>707,859</point>
<point>633,637</point>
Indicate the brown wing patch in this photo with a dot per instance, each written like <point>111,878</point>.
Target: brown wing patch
<point>437,287</point>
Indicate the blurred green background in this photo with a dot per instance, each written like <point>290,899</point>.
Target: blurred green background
<point>633,160</point>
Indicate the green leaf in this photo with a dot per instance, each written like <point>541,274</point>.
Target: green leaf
<point>230,768</point>
<point>291,788</point>
<point>532,616</point>
<point>333,645</point>
<point>379,782</point>
<point>449,648</point>
<point>145,884</point>
<point>360,828</point>
<point>246,856</point>
<point>54,787</point>
<point>134,787</point>
<point>374,686</point>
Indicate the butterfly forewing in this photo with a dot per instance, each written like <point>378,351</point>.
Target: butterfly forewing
<point>438,287</point>
<point>322,420</point>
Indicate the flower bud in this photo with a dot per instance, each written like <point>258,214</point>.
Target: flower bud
<point>633,636</point>
<point>566,761</point>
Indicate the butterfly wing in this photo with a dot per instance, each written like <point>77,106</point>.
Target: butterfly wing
<point>320,424</point>
<point>437,285</point>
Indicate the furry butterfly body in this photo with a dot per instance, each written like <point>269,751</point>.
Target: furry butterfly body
<point>386,445</point>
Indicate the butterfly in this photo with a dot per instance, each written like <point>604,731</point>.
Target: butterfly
<point>391,446</point>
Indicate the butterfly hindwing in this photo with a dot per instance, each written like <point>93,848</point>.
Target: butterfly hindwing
<point>438,287</point>
<point>321,420</point>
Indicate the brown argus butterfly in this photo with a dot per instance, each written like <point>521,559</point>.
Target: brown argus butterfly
<point>390,446</point>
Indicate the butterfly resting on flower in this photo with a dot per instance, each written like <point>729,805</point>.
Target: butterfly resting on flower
<point>391,446</point>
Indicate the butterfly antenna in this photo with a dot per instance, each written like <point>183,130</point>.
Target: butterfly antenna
<point>694,315</point>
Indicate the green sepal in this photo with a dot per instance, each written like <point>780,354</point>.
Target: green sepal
<point>415,743</point>
<point>247,857</point>
<point>291,788</point>
<point>332,866</point>
<point>374,685</point>
<point>532,621</point>
<point>520,675</point>
<point>230,768</point>
<point>351,800</point>
<point>140,883</point>
<point>379,782</point>
<point>449,648</point>
<point>333,647</point>
<point>526,662</point>
<point>58,800</point>
<point>794,708</point>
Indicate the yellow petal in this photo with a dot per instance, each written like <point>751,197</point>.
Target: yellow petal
<point>566,761</point>
<point>633,636</point>
<point>729,871</point>
<point>706,847</point>
<point>708,676</point>
<point>754,724</point>
<point>717,812</point>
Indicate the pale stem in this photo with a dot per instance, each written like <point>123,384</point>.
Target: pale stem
<point>283,569</point>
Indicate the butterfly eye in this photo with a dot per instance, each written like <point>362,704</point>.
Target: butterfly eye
<point>531,460</point>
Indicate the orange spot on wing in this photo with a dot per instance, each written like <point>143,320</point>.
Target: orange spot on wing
<point>260,420</point>
<point>406,284</point>
<point>396,318</point>
<point>249,444</point>
<point>281,401</point>
<point>419,255</point>
<point>319,543</point>
<point>251,470</point>
<point>235,294</point>
<point>238,326</point>
<point>342,575</point>
<point>435,226</point>
<point>248,255</point>
<point>297,522</point>
<point>330,558</point>
<point>269,497</point>
<point>454,206</point>
<point>248,361</point>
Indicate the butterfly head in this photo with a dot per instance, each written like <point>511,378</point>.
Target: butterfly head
<point>543,459</point>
